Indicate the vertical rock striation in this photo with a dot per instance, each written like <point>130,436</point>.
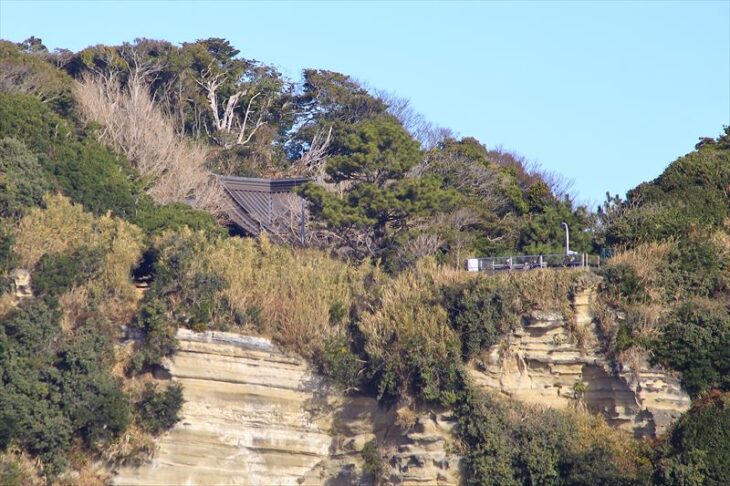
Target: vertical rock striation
<point>548,361</point>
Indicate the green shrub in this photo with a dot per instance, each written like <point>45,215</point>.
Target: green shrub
<point>695,340</point>
<point>622,282</point>
<point>22,179</point>
<point>625,339</point>
<point>338,362</point>
<point>481,311</point>
<point>156,219</point>
<point>7,257</point>
<point>698,446</point>
<point>695,267</point>
<point>33,75</point>
<point>372,460</point>
<point>158,336</point>
<point>92,398</point>
<point>56,273</point>
<point>76,163</point>
<point>158,411</point>
<point>52,389</point>
<point>690,194</point>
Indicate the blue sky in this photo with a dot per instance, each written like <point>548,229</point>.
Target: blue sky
<point>605,93</point>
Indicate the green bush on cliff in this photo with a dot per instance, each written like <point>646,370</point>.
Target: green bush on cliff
<point>158,410</point>
<point>54,388</point>
<point>697,450</point>
<point>695,340</point>
<point>22,179</point>
<point>55,273</point>
<point>481,311</point>
<point>77,164</point>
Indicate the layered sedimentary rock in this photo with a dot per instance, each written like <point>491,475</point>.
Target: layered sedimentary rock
<point>255,415</point>
<point>550,361</point>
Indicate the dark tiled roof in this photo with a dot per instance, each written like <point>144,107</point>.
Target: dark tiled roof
<point>257,201</point>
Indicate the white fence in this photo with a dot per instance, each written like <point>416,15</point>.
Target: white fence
<point>527,262</point>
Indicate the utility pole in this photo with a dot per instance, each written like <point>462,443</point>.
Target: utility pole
<point>567,238</point>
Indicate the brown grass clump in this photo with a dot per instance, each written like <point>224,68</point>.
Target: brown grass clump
<point>133,447</point>
<point>7,302</point>
<point>135,126</point>
<point>63,227</point>
<point>409,311</point>
<point>548,290</point>
<point>291,291</point>
<point>73,307</point>
<point>645,260</point>
<point>18,464</point>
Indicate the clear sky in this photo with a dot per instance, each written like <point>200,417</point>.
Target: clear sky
<point>606,93</point>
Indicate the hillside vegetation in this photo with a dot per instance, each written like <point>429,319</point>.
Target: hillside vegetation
<point>91,204</point>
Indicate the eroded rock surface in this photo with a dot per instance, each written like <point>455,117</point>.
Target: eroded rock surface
<point>544,362</point>
<point>255,415</point>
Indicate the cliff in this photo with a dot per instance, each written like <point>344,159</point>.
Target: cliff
<point>551,361</point>
<point>255,415</point>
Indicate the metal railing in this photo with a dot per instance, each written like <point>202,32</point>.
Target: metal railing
<point>527,262</point>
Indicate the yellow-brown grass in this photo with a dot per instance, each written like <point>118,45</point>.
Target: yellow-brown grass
<point>646,260</point>
<point>63,227</point>
<point>30,469</point>
<point>293,290</point>
<point>409,308</point>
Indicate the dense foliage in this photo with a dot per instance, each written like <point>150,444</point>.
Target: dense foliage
<point>55,388</point>
<point>404,204</point>
<point>697,450</point>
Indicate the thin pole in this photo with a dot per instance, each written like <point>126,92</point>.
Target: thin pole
<point>301,229</point>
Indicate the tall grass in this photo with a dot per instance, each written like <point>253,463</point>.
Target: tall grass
<point>290,292</point>
<point>63,227</point>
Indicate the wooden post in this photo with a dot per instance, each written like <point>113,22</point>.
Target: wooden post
<point>301,228</point>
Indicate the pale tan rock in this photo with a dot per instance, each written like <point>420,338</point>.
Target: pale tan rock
<point>255,415</point>
<point>541,363</point>
<point>21,283</point>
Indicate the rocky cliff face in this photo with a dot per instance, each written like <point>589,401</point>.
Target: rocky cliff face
<point>541,362</point>
<point>255,415</point>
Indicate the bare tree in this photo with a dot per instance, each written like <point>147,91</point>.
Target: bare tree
<point>428,134</point>
<point>464,176</point>
<point>230,128</point>
<point>135,126</point>
<point>314,160</point>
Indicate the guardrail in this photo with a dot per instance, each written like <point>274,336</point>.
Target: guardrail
<point>527,262</point>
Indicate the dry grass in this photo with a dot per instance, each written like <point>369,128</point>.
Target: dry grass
<point>64,227</point>
<point>30,469</point>
<point>7,302</point>
<point>73,308</point>
<point>135,126</point>
<point>134,447</point>
<point>409,308</point>
<point>293,290</point>
<point>548,290</point>
<point>645,260</point>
